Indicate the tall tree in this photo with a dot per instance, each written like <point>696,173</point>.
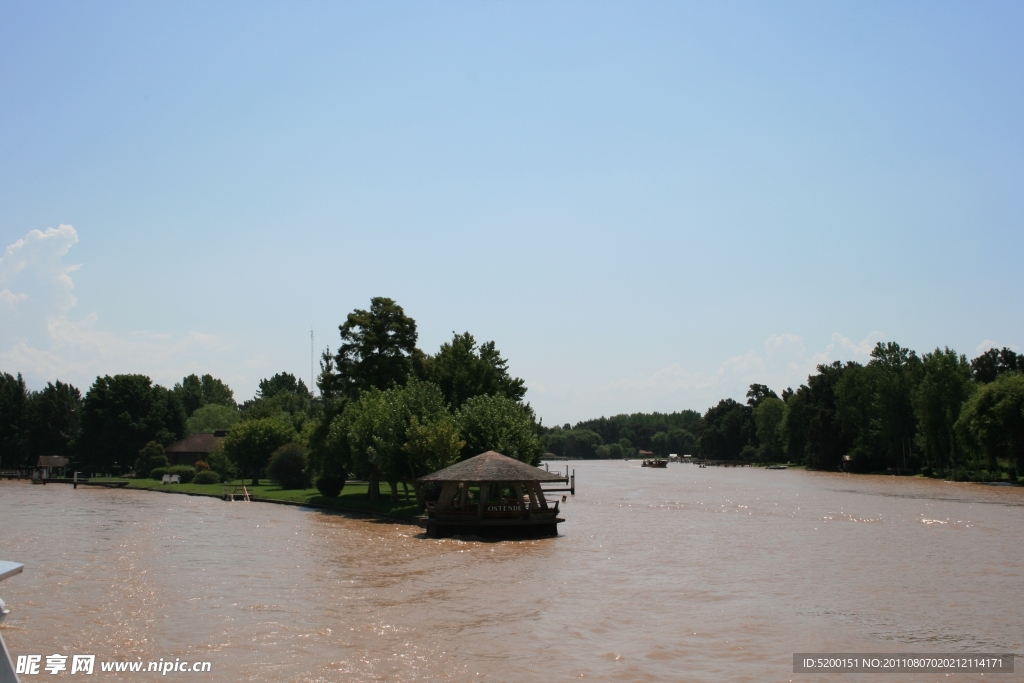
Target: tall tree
<point>826,442</point>
<point>462,370</point>
<point>377,349</point>
<point>758,393</point>
<point>498,423</point>
<point>993,363</point>
<point>898,371</point>
<point>194,392</point>
<point>726,429</point>
<point>121,414</point>
<point>377,427</point>
<point>13,397</point>
<point>945,385</point>
<point>52,419</point>
<point>250,444</point>
<point>768,416</point>
<point>991,423</point>
<point>283,383</point>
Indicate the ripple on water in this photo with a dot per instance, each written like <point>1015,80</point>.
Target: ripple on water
<point>703,574</point>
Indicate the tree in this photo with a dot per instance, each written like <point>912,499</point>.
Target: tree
<point>13,397</point>
<point>52,419</point>
<point>498,423</point>
<point>283,383</point>
<point>989,365</point>
<point>287,467</point>
<point>758,393</point>
<point>194,392</point>
<point>121,414</point>
<point>150,457</point>
<point>463,371</point>
<point>857,411</point>
<point>897,373</point>
<point>945,385</point>
<point>727,429</point>
<point>212,417</point>
<point>378,431</point>
<point>812,425</point>
<point>432,446</point>
<point>768,415</point>
<point>572,443</point>
<point>251,443</point>
<point>377,349</point>
<point>639,429</point>
<point>991,423</point>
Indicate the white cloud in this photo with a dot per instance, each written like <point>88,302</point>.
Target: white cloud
<point>989,344</point>
<point>39,338</point>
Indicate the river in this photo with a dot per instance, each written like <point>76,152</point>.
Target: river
<point>681,574</point>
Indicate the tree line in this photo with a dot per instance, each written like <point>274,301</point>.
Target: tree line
<point>936,413</point>
<point>387,411</point>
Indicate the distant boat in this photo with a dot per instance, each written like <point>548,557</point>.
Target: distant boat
<point>775,467</point>
<point>655,462</point>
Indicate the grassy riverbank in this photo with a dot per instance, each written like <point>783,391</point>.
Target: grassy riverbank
<point>354,496</point>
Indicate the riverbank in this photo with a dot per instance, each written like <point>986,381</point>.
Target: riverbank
<point>354,497</point>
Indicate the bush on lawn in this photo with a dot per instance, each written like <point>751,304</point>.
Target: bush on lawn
<point>288,467</point>
<point>150,457</point>
<point>158,473</point>
<point>184,471</point>
<point>330,485</point>
<point>206,477</point>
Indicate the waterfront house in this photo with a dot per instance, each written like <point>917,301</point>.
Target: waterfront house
<point>49,463</point>
<point>492,495</point>
<point>194,448</point>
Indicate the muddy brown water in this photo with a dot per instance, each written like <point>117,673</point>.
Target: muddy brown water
<point>681,574</point>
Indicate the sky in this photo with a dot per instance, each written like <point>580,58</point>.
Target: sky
<point>647,206</point>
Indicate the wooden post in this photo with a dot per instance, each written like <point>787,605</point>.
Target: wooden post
<point>519,492</point>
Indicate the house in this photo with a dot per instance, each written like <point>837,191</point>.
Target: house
<point>194,448</point>
<point>51,462</point>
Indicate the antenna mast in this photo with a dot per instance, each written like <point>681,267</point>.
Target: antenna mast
<point>311,385</point>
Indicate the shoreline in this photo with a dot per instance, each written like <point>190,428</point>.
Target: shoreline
<point>125,485</point>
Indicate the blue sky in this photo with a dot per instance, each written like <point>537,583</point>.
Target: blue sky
<point>648,206</point>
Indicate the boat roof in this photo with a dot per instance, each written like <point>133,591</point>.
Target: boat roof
<point>492,466</point>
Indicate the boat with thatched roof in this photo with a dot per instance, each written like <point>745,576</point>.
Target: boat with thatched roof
<point>491,495</point>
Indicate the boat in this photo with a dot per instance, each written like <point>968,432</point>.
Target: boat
<point>775,467</point>
<point>655,462</point>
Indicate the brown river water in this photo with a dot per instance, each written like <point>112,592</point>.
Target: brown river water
<point>682,574</point>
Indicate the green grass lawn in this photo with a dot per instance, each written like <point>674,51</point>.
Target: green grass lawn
<point>354,496</point>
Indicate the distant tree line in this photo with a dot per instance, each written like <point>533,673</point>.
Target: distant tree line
<point>623,436</point>
<point>387,411</point>
<point>937,413</point>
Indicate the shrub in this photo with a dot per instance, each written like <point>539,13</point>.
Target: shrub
<point>158,473</point>
<point>206,477</point>
<point>288,467</point>
<point>926,471</point>
<point>220,464</point>
<point>1011,474</point>
<point>201,465</point>
<point>150,457</point>
<point>184,471</point>
<point>330,485</point>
